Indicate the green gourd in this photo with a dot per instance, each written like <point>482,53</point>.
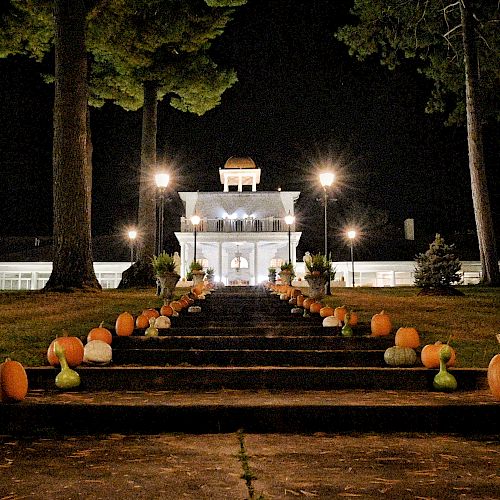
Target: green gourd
<point>151,331</point>
<point>444,381</point>
<point>346,329</point>
<point>66,378</point>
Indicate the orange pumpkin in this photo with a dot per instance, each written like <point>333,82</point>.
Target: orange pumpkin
<point>198,289</point>
<point>430,355</point>
<point>142,321</point>
<point>353,321</point>
<point>188,299</point>
<point>73,349</point>
<point>407,337</point>
<point>13,381</point>
<point>150,313</point>
<point>315,307</point>
<point>300,300</point>
<point>100,333</point>
<point>125,324</point>
<point>184,302</point>
<point>494,376</point>
<point>326,311</point>
<point>381,324</point>
<point>340,313</point>
<point>166,310</point>
<point>307,303</point>
<point>176,306</point>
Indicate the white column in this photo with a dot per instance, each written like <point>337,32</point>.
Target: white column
<point>254,182</point>
<point>219,259</point>
<point>255,264</point>
<point>226,187</point>
<point>240,183</point>
<point>183,259</point>
<point>393,278</point>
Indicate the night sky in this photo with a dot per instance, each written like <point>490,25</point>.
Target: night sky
<point>300,100</point>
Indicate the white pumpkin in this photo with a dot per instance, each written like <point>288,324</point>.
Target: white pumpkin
<point>331,321</point>
<point>194,309</point>
<point>296,310</point>
<point>175,314</point>
<point>162,322</point>
<point>97,352</point>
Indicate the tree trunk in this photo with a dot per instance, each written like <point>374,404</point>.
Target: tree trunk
<point>480,198</point>
<point>72,261</point>
<point>147,188</point>
<point>140,274</point>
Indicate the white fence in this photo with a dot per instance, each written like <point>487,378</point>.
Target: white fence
<point>34,275</point>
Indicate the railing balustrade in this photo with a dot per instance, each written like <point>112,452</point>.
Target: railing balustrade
<point>249,225</point>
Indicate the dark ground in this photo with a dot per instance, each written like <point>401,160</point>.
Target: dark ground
<point>323,466</point>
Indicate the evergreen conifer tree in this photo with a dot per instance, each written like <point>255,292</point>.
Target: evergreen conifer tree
<point>438,269</point>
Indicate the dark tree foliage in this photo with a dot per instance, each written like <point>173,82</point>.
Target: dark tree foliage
<point>457,45</point>
<point>140,51</point>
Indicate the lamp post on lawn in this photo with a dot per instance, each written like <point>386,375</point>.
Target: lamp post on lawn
<point>161,179</point>
<point>326,179</point>
<point>132,235</point>
<point>195,220</point>
<point>289,220</point>
<point>351,235</point>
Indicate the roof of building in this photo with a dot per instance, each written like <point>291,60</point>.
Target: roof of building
<point>240,162</point>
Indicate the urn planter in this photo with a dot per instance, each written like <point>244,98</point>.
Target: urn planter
<point>286,277</point>
<point>316,286</point>
<point>168,282</point>
<point>198,277</point>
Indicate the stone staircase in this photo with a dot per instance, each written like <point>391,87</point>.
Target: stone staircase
<point>246,362</point>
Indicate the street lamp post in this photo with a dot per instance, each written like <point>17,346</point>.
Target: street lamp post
<point>161,179</point>
<point>195,220</point>
<point>132,235</point>
<point>289,220</point>
<point>326,179</point>
<point>351,235</point>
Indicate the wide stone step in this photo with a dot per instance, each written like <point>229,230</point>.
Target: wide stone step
<point>265,330</point>
<point>125,412</point>
<point>255,377</point>
<point>250,338</point>
<point>247,357</point>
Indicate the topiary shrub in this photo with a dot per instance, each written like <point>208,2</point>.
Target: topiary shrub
<point>438,269</point>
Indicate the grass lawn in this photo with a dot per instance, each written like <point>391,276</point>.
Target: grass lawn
<point>29,321</point>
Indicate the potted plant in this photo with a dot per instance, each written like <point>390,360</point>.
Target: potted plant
<point>210,275</point>
<point>287,273</point>
<point>319,270</point>
<point>196,271</point>
<point>272,274</point>
<point>164,270</point>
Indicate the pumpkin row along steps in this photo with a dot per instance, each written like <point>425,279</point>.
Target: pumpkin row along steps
<point>267,398</point>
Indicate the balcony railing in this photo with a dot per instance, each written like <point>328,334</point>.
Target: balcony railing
<point>249,225</point>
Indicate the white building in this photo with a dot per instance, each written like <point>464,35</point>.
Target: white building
<point>242,231</point>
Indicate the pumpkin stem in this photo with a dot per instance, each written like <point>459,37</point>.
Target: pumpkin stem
<point>100,324</point>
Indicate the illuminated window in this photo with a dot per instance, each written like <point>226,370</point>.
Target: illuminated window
<point>239,263</point>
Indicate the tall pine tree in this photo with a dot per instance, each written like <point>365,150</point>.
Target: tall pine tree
<point>457,46</point>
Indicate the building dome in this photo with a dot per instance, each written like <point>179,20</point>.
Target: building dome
<point>240,162</point>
